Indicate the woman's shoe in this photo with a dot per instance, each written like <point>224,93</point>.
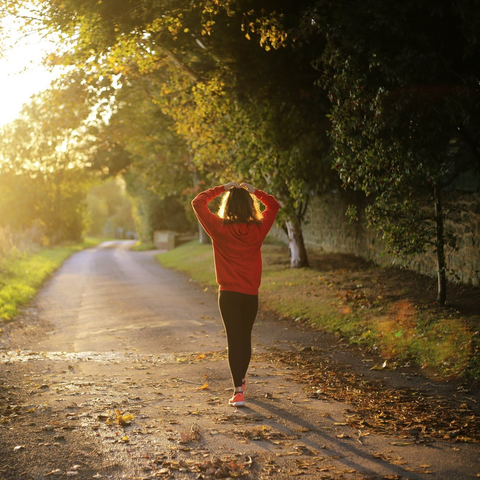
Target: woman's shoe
<point>238,400</point>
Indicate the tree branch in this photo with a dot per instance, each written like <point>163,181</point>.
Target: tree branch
<point>195,76</point>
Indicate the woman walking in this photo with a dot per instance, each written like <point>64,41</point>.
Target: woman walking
<point>237,233</point>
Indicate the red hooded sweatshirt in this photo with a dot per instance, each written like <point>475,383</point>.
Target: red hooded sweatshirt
<point>236,246</point>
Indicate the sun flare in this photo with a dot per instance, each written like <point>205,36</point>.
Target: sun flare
<point>21,71</point>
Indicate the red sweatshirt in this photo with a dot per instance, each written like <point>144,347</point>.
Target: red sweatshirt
<point>236,246</point>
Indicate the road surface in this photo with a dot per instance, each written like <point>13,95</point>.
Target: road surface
<point>118,370</point>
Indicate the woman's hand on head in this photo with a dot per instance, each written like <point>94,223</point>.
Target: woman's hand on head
<point>228,186</point>
<point>247,186</point>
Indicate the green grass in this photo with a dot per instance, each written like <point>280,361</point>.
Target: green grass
<point>397,330</point>
<point>143,247</point>
<point>23,273</point>
<point>192,258</point>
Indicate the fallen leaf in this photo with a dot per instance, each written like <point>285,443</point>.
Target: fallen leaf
<point>379,367</point>
<point>57,471</point>
<point>124,419</point>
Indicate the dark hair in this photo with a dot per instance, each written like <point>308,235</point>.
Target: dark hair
<point>238,206</point>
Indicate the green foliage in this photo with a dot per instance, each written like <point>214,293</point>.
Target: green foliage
<point>41,164</point>
<point>139,142</point>
<point>152,212</point>
<point>255,115</point>
<point>109,208</point>
<point>51,203</point>
<point>241,108</point>
<point>402,81</point>
<point>18,201</point>
<point>219,90</point>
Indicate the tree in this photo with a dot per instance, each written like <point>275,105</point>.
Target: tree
<point>240,109</point>
<point>256,114</point>
<point>153,212</point>
<point>42,156</point>
<point>139,143</point>
<point>403,81</point>
<point>108,205</point>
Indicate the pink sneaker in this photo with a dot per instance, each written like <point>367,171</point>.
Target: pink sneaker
<point>238,400</point>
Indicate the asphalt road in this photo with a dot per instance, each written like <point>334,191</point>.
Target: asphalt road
<point>118,370</point>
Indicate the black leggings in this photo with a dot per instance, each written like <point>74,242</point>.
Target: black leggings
<point>238,312</point>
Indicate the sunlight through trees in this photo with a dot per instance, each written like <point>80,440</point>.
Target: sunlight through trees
<point>295,98</point>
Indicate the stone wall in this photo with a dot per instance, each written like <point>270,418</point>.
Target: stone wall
<point>465,262</point>
<point>328,229</point>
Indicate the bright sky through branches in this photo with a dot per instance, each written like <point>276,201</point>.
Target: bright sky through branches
<point>21,70</point>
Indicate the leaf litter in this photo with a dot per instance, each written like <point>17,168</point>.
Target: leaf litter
<point>221,467</point>
<point>123,411</point>
<point>379,408</point>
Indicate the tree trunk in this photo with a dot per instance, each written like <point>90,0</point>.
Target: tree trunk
<point>440,244</point>
<point>298,252</point>
<point>204,238</point>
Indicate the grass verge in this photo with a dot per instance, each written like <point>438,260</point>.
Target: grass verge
<point>143,247</point>
<point>380,309</point>
<point>23,273</point>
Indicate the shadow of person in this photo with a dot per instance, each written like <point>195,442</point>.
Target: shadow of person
<point>312,439</point>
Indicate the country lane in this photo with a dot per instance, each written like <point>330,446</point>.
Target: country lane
<point>118,370</point>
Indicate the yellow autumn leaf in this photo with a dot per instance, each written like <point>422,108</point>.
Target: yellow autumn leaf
<point>125,419</point>
<point>204,386</point>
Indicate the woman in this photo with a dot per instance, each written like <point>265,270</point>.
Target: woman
<point>237,233</point>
